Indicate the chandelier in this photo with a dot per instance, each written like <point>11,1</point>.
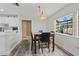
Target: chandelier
<point>41,14</point>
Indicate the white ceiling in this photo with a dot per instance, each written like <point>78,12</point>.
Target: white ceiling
<point>30,9</point>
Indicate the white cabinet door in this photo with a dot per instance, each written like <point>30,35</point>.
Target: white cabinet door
<point>4,20</point>
<point>13,21</point>
<point>2,45</point>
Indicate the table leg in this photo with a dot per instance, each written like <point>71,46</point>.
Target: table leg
<point>53,43</point>
<point>35,46</point>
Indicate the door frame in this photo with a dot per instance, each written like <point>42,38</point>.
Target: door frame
<point>22,26</point>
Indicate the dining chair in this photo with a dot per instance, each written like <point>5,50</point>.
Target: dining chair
<point>45,41</point>
<point>52,34</point>
<point>32,42</point>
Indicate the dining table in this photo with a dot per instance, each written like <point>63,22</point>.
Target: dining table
<point>38,35</point>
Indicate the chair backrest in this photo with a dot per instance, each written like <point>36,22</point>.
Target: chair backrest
<point>52,33</point>
<point>31,36</point>
<point>41,31</point>
<point>45,37</point>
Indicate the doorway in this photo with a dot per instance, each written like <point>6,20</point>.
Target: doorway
<point>26,29</point>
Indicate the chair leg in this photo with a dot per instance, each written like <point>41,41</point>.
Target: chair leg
<point>32,46</point>
<point>39,44</point>
<point>42,50</point>
<point>48,47</point>
<point>52,46</point>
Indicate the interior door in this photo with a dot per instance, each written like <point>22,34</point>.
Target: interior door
<point>26,29</point>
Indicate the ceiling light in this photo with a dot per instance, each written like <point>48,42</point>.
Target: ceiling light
<point>41,14</point>
<point>43,17</point>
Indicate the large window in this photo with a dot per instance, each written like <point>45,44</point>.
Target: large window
<point>64,25</point>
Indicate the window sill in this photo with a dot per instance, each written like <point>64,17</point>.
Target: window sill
<point>66,35</point>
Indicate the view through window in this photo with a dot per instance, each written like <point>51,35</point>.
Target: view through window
<point>64,25</point>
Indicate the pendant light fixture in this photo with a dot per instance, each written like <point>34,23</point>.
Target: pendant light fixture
<point>41,15</point>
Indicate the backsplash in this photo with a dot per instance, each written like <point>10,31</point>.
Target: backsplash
<point>5,27</point>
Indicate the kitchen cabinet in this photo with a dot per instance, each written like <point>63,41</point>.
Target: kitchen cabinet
<point>9,38</point>
<point>7,42</point>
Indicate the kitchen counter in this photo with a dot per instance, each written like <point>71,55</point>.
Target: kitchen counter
<point>8,40</point>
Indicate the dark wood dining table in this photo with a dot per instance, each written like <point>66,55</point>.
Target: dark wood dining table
<point>39,34</point>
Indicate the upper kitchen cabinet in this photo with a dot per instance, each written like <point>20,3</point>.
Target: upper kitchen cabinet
<point>9,19</point>
<point>13,21</point>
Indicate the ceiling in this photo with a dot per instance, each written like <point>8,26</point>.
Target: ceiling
<point>30,9</point>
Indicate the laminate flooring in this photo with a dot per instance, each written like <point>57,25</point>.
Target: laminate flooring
<point>24,49</point>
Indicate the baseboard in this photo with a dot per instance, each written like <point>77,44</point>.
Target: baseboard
<point>64,50</point>
<point>13,52</point>
<point>14,49</point>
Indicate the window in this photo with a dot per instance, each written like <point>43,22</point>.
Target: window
<point>64,25</point>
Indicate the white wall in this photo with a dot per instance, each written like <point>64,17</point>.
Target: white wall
<point>38,24</point>
<point>51,24</point>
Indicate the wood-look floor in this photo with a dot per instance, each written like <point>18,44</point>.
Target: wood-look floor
<point>24,50</point>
